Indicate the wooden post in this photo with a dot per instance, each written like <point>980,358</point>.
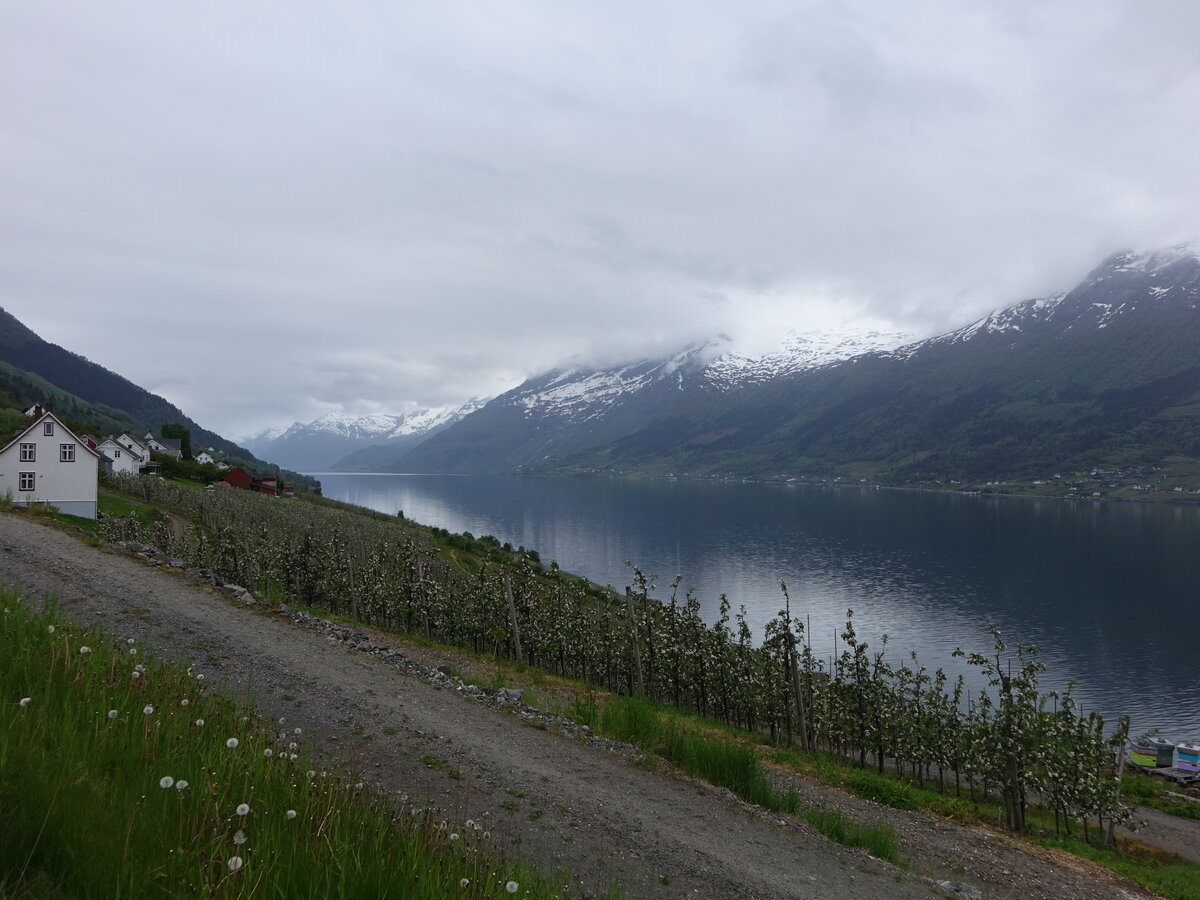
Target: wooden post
<point>512,615</point>
<point>635,645</point>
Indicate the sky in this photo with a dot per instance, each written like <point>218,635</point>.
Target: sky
<point>269,211</point>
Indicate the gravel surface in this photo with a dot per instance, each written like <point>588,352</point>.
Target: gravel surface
<point>546,788</point>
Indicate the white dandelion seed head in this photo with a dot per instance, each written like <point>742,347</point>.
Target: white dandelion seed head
<point>293,745</point>
<point>299,731</point>
<point>199,723</point>
<point>311,773</point>
<point>239,837</point>
<point>85,650</point>
<point>140,668</point>
<point>511,887</point>
<point>25,701</point>
<point>464,882</point>
<point>291,814</point>
<point>235,863</point>
<point>200,677</point>
<point>133,651</point>
<point>232,743</point>
<point>292,757</point>
<point>112,713</point>
<point>148,710</point>
<point>49,628</point>
<point>268,752</point>
<point>181,785</point>
<point>453,836</point>
<point>165,782</point>
<point>243,809</point>
<point>282,719</point>
<point>130,641</point>
<point>136,674</point>
<point>184,702</point>
<point>470,823</point>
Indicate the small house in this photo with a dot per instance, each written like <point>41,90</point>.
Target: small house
<point>47,463</point>
<point>172,447</point>
<point>123,459</point>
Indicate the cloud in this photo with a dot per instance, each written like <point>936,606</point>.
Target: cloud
<point>275,210</point>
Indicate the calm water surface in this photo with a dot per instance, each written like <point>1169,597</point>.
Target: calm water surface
<point>1110,592</point>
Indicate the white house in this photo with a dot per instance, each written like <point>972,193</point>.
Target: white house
<point>46,463</point>
<point>169,446</point>
<point>129,442</point>
<point>123,459</point>
<point>203,457</point>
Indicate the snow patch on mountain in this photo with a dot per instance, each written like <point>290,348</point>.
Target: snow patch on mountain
<point>583,394</point>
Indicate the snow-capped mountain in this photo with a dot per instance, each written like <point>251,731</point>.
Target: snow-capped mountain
<point>1106,369</point>
<point>586,394</point>
<point>320,444</point>
<point>1122,285</point>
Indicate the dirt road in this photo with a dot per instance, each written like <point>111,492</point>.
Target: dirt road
<point>541,794</point>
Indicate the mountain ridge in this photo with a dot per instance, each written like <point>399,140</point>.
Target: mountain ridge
<point>1104,372</point>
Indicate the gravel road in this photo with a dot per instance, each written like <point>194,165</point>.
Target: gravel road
<point>544,796</point>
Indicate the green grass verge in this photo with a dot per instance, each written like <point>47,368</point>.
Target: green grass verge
<point>122,776</point>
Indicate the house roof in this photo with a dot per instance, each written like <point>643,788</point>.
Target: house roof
<point>38,421</point>
<point>173,443</point>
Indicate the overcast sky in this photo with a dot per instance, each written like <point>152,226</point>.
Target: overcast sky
<point>266,211</point>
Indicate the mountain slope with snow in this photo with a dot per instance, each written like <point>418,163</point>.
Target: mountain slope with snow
<point>321,445</point>
<point>1108,371</point>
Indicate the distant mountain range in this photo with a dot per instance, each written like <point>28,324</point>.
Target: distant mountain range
<point>1108,373</point>
<point>346,443</point>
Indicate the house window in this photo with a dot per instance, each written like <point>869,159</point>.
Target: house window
<point>48,428</point>
<point>118,455</point>
<point>27,481</point>
<point>66,453</point>
<point>29,453</point>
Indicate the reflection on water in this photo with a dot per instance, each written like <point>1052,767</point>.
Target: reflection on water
<point>1110,592</point>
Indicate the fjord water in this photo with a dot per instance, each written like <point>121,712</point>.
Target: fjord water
<point>1109,592</point>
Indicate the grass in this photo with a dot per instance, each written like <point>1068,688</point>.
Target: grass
<point>116,784</point>
<point>731,765</point>
<point>1148,791</point>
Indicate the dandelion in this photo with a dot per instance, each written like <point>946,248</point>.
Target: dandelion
<point>200,677</point>
<point>184,702</point>
<point>25,701</point>
<point>463,882</point>
<point>85,650</point>
<point>243,809</point>
<point>311,773</point>
<point>239,837</point>
<point>232,743</point>
<point>130,641</point>
<point>511,887</point>
<point>181,785</point>
<point>148,710</point>
<point>293,757</point>
<point>268,752</point>
<point>199,723</point>
<point>165,782</point>
<point>49,628</point>
<point>470,823</point>
<point>133,651</point>
<point>282,719</point>
<point>291,814</point>
<point>453,836</point>
<point>235,863</point>
<point>299,731</point>
<point>112,713</point>
<point>136,674</point>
